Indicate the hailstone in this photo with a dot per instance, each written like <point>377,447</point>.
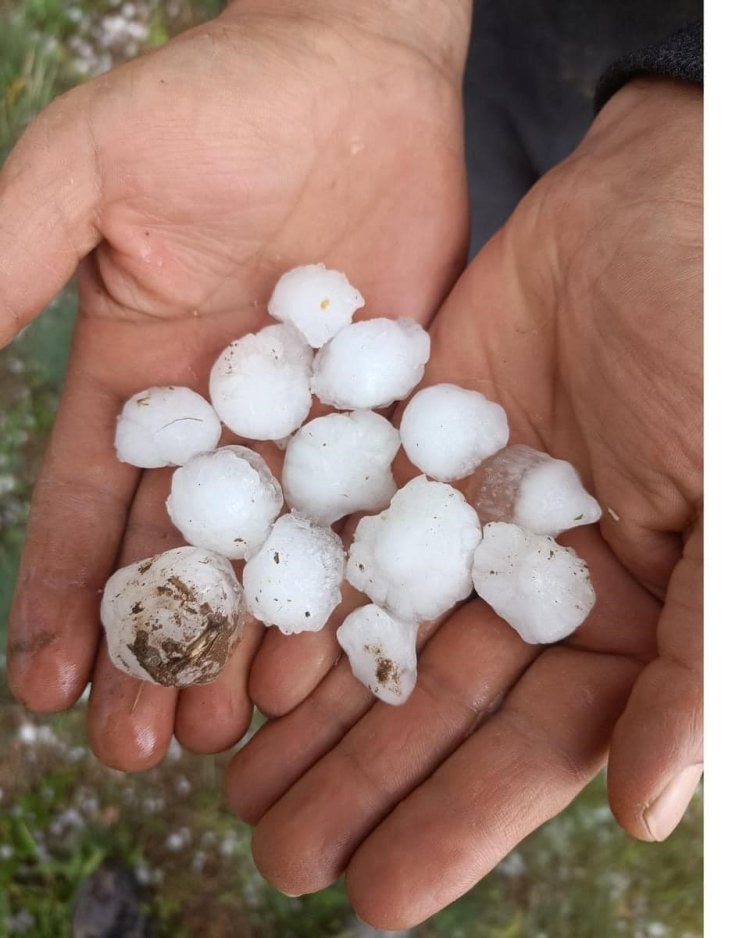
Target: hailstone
<point>341,463</point>
<point>382,652</point>
<point>316,300</point>
<point>294,580</point>
<point>447,431</point>
<point>531,489</point>
<point>165,427</point>
<point>225,501</point>
<point>540,588</point>
<point>371,364</point>
<point>173,619</point>
<point>260,384</point>
<point>415,557</point>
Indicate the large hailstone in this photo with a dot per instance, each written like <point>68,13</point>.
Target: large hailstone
<point>225,501</point>
<point>371,364</point>
<point>165,427</point>
<point>531,489</point>
<point>316,300</point>
<point>339,464</point>
<point>294,580</point>
<point>415,557</point>
<point>260,384</point>
<point>382,652</point>
<point>541,589</point>
<point>173,619</point>
<point>448,431</point>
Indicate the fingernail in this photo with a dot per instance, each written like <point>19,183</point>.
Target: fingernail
<point>665,813</point>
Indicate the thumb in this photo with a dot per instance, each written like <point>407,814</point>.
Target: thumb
<point>656,756</point>
<point>49,196</point>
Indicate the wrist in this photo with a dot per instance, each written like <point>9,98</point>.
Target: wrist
<point>437,29</point>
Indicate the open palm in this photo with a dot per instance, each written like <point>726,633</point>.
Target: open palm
<point>186,182</point>
<point>582,316</point>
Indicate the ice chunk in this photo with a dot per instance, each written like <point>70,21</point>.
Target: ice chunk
<point>294,580</point>
<point>318,301</point>
<point>540,588</point>
<point>371,363</point>
<point>447,431</point>
<point>339,464</point>
<point>415,557</point>
<point>165,427</point>
<point>225,501</point>
<point>175,618</point>
<point>382,652</point>
<point>260,384</point>
<point>531,489</point>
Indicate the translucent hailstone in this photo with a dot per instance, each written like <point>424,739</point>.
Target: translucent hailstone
<point>316,300</point>
<point>541,589</point>
<point>260,384</point>
<point>415,557</point>
<point>165,427</point>
<point>448,431</point>
<point>225,501</point>
<point>294,580</point>
<point>339,464</point>
<point>175,618</point>
<point>382,652</point>
<point>371,363</point>
<point>531,489</point>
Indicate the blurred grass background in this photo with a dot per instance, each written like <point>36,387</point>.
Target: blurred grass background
<point>62,813</point>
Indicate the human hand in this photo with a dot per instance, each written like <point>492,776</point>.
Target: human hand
<point>582,317</point>
<point>186,182</point>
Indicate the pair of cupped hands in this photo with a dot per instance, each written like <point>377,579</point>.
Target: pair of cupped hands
<point>180,186</point>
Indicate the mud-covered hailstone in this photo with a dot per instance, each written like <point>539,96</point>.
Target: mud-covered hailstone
<point>316,300</point>
<point>415,557</point>
<point>540,588</point>
<point>339,464</point>
<point>175,618</point>
<point>448,431</point>
<point>165,427</point>
<point>531,489</point>
<point>225,501</point>
<point>260,384</point>
<point>382,652</point>
<point>371,364</point>
<point>294,580</point>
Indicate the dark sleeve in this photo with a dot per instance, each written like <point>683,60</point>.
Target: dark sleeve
<point>680,56</point>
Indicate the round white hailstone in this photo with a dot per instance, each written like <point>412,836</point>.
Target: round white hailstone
<point>448,431</point>
<point>175,618</point>
<point>531,489</point>
<point>382,652</point>
<point>371,363</point>
<point>316,300</point>
<point>260,384</point>
<point>339,464</point>
<point>225,501</point>
<point>294,580</point>
<point>540,588</point>
<point>415,557</point>
<point>165,427</point>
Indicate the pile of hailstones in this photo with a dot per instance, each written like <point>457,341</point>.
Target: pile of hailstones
<point>175,618</point>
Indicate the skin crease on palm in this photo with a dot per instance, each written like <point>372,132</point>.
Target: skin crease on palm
<point>185,183</point>
<point>583,318</point>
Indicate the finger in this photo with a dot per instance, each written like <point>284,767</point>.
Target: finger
<point>78,512</point>
<point>657,748</point>
<point>130,722</point>
<point>49,195</point>
<point>212,717</point>
<point>521,768</point>
<point>304,842</point>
